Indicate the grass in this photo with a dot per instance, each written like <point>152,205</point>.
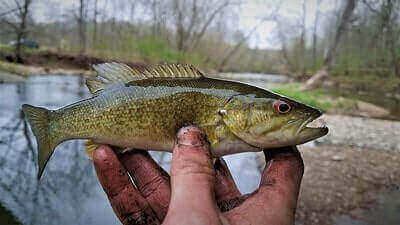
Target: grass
<point>153,49</point>
<point>8,49</point>
<point>316,98</point>
<point>14,68</point>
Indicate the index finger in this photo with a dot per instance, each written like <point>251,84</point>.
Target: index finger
<point>276,199</point>
<point>283,171</point>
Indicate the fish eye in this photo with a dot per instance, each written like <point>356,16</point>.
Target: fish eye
<point>281,106</point>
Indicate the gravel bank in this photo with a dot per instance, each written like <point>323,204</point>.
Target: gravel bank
<point>362,132</point>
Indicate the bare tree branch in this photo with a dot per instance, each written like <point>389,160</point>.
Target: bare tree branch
<point>200,34</point>
<point>8,12</point>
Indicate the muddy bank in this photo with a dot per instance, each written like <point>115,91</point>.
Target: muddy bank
<point>349,181</point>
<point>347,185</point>
<point>50,59</point>
<point>49,62</point>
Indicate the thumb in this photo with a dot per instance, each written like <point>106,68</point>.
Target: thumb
<point>192,177</point>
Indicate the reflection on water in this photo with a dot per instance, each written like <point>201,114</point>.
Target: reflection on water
<point>68,192</point>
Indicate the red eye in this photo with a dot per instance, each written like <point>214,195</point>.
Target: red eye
<point>281,106</point>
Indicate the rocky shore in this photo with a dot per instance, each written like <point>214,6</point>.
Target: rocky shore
<point>362,132</point>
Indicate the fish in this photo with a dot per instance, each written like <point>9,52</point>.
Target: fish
<point>144,107</point>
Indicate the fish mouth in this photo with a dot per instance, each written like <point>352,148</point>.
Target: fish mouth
<point>307,133</point>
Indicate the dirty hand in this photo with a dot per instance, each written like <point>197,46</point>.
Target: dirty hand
<point>197,192</point>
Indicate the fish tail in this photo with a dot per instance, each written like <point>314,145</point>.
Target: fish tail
<point>39,119</point>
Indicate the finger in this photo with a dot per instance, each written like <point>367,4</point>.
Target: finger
<point>150,179</point>
<point>126,201</point>
<point>192,179</point>
<point>226,192</point>
<point>283,171</point>
<point>276,199</point>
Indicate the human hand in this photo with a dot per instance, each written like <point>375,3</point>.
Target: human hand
<point>197,192</point>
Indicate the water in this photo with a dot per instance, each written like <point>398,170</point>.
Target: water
<point>68,192</point>
<point>256,79</point>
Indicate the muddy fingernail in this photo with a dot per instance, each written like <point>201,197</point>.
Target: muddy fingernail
<point>191,136</point>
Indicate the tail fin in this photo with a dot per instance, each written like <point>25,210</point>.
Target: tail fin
<point>39,120</point>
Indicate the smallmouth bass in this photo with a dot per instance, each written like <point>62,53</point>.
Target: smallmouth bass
<point>144,107</point>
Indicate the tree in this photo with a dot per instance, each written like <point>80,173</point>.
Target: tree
<point>284,46</point>
<point>96,12</point>
<point>389,18</point>
<point>192,19</point>
<point>237,46</point>
<point>16,18</point>
<point>314,40</point>
<point>303,39</point>
<point>81,20</point>
<point>322,74</point>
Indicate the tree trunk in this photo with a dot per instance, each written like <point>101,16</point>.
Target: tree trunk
<point>391,37</point>
<point>180,30</point>
<point>314,41</point>
<point>303,41</point>
<point>94,39</point>
<point>323,73</point>
<point>284,51</point>
<point>82,27</point>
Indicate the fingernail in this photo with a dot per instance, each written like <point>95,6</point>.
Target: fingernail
<point>191,136</point>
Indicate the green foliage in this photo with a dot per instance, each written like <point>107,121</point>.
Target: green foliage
<point>153,49</point>
<point>9,50</point>
<point>6,48</point>
<point>316,98</point>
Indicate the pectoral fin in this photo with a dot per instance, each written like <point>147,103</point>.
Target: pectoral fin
<point>90,148</point>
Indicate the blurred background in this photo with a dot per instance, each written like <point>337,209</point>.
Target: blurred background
<point>342,56</point>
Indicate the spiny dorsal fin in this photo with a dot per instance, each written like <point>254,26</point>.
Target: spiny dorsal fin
<point>111,73</point>
<point>95,85</point>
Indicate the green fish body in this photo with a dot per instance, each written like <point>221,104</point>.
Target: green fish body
<point>143,108</point>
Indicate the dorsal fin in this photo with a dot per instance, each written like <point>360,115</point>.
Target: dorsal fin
<point>95,85</point>
<point>112,73</point>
